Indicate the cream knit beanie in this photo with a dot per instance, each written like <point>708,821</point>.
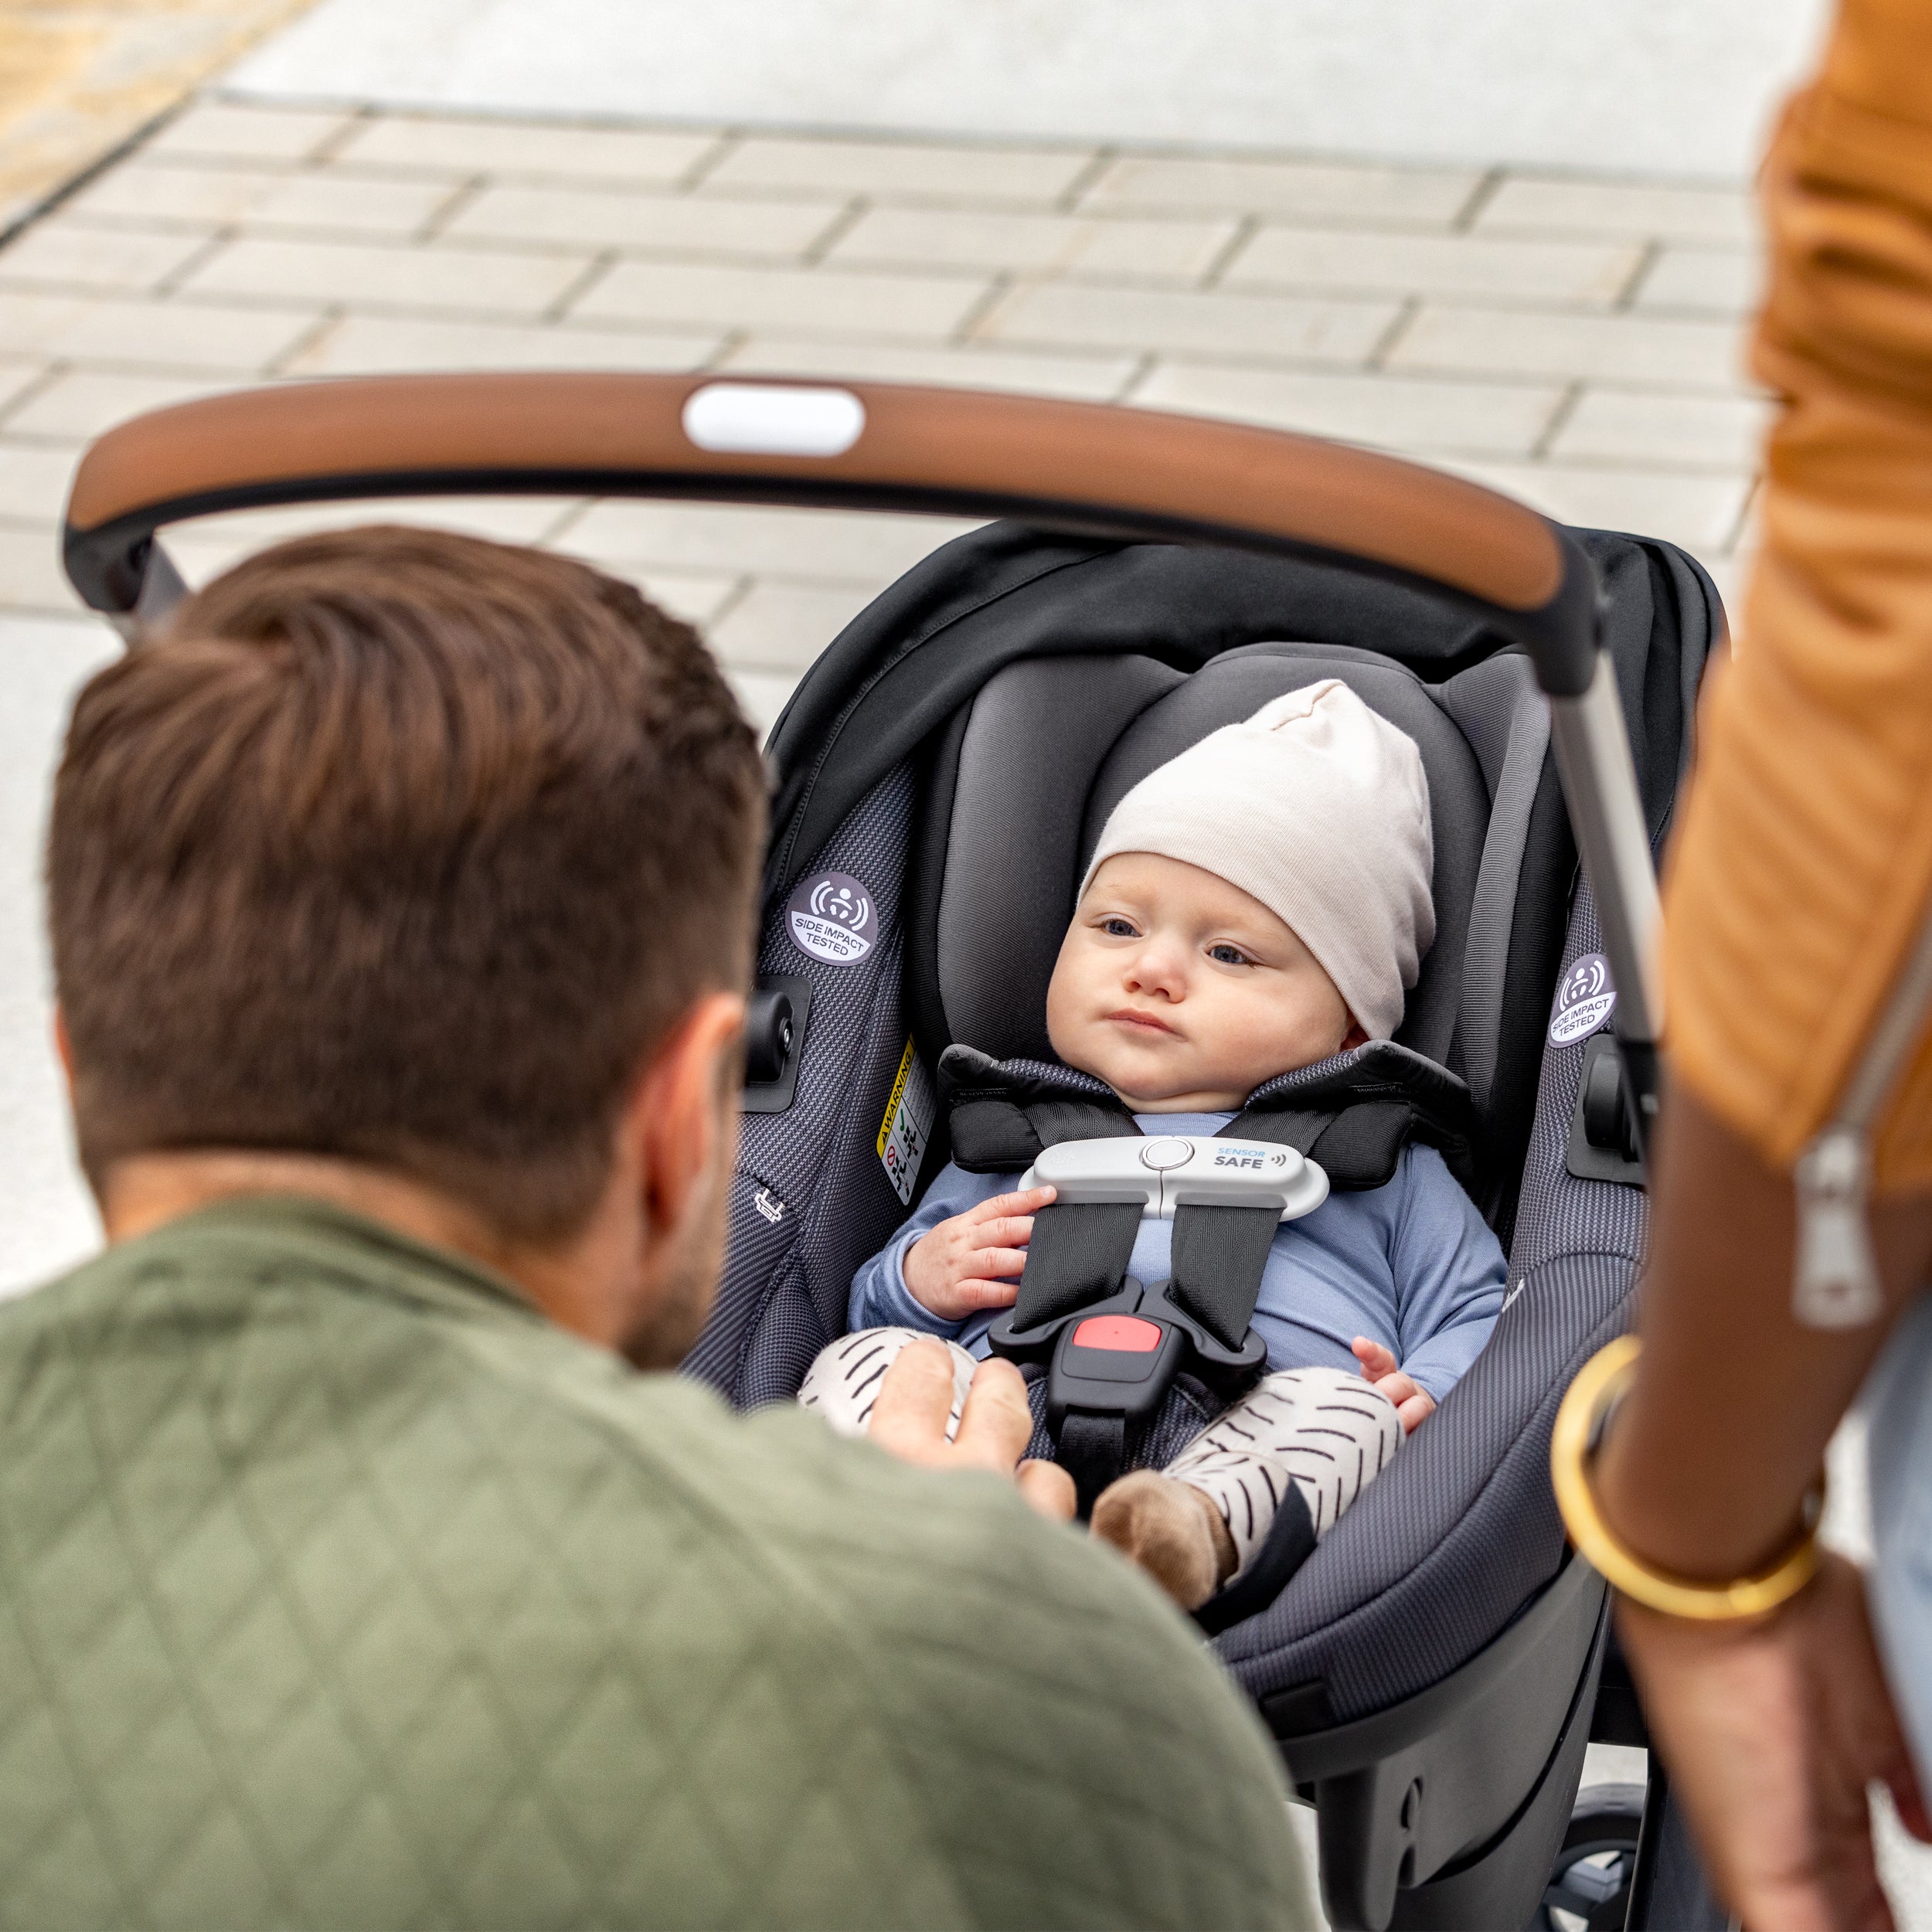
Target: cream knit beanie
<point>1318,808</point>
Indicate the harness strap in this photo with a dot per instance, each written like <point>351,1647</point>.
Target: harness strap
<point>1079,1252</point>
<point>1352,1116</point>
<point>1220,1255</point>
<point>1092,1450</point>
<point>1078,1259</point>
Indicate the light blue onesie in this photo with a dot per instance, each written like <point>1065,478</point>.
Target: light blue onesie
<point>1411,1265</point>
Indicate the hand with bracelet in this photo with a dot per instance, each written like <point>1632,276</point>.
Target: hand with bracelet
<point>1774,1722</point>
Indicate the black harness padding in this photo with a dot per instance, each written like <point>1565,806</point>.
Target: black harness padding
<point>1352,1115</point>
<point>1003,1115</point>
<point>1078,1254</point>
<point>1220,1255</point>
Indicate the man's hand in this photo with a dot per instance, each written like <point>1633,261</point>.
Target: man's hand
<point>972,1260</point>
<point>1772,1730</point>
<point>1413,1402</point>
<point>915,1398</point>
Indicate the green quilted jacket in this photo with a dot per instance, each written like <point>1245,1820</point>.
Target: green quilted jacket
<point>339,1589</point>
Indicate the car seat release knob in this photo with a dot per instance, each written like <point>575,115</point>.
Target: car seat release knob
<point>768,1035</point>
<point>1164,1155</point>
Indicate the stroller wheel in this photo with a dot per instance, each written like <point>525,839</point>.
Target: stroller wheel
<point>1588,1889</point>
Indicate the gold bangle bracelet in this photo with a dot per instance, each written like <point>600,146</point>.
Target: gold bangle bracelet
<point>1573,1445</point>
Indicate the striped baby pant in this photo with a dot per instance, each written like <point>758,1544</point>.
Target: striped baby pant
<point>1326,1431</point>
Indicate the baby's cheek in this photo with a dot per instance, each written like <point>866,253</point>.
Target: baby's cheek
<point>1071,1000</point>
<point>1271,1034</point>
<point>1060,1031</point>
<point>1062,995</point>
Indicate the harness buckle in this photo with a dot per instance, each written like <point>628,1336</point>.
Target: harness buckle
<point>1111,1362</point>
<point>1120,1356</point>
<point>1110,1366</point>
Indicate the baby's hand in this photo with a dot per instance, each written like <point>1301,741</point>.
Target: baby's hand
<point>1414,1404</point>
<point>970,1262</point>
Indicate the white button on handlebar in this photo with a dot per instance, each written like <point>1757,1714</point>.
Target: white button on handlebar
<point>774,418</point>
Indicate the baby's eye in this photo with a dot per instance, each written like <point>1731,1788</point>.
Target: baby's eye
<point>1226,955</point>
<point>1119,928</point>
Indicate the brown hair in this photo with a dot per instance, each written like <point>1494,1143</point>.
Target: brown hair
<point>403,847</point>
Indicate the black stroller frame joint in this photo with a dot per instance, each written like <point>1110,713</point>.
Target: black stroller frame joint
<point>1432,1668</point>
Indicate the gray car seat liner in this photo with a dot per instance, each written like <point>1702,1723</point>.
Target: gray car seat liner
<point>1051,744</point>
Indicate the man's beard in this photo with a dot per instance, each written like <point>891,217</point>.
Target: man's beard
<point>675,1312</point>
<point>676,1318</point>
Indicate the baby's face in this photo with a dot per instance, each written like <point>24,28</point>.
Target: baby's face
<point>1184,994</point>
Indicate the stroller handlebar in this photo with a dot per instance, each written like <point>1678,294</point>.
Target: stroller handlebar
<point>1138,474</point>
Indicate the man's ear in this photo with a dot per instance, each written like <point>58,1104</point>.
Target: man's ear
<point>680,1114</point>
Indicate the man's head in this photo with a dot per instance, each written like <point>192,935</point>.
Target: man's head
<point>1252,906</point>
<point>404,851</point>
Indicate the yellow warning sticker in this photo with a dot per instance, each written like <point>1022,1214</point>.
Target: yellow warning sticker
<point>908,1125</point>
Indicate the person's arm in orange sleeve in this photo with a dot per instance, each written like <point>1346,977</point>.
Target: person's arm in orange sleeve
<point>1797,884</point>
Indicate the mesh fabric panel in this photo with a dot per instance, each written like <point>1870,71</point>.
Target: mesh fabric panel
<point>784,1287</point>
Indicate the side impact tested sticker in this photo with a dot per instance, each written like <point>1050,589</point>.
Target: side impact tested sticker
<point>908,1124</point>
<point>832,917</point>
<point>1584,1000</point>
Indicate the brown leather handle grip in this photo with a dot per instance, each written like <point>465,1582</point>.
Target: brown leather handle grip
<point>1133,473</point>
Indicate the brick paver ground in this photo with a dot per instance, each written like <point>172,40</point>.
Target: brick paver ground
<point>1571,339</point>
<point>1574,340</point>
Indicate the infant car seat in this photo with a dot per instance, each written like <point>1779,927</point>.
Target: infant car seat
<point>1435,1668</point>
<point>949,762</point>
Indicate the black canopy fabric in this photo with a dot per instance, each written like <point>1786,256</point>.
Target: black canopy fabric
<point>908,662</point>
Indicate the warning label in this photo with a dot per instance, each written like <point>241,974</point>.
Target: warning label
<point>908,1124</point>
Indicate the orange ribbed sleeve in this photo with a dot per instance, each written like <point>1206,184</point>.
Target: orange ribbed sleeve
<point>1803,865</point>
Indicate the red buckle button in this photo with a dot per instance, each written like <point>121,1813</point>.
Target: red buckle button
<point>1127,1332</point>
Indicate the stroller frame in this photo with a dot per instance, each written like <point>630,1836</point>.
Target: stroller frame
<point>1446,1809</point>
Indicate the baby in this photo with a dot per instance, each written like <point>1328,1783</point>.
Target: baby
<point>1258,904</point>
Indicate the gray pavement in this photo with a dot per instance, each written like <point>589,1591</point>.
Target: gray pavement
<point>1644,85</point>
<point>1573,339</point>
